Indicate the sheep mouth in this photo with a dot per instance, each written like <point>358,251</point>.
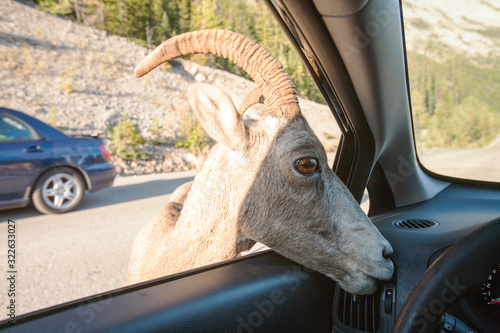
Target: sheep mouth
<point>365,285</point>
<point>364,279</point>
<point>380,269</point>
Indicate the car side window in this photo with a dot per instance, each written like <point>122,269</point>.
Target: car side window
<point>453,62</point>
<point>144,140</point>
<point>12,129</point>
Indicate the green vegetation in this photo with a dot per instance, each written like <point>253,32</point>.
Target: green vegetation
<point>455,102</point>
<point>192,137</point>
<point>126,142</point>
<point>195,138</point>
<point>156,133</point>
<point>150,22</point>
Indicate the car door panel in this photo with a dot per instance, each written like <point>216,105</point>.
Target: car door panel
<point>262,292</point>
<point>20,163</point>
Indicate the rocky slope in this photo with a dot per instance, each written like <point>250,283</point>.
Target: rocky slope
<point>80,79</point>
<point>429,23</point>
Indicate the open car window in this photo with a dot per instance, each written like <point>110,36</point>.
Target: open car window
<point>86,74</point>
<point>453,59</point>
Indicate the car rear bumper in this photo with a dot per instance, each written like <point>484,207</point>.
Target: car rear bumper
<point>101,176</point>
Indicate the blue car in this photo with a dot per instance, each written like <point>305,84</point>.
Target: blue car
<point>40,164</point>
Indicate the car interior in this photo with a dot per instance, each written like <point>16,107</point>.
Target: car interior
<point>443,229</point>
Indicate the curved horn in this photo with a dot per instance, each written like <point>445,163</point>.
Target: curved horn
<point>254,97</point>
<point>275,84</point>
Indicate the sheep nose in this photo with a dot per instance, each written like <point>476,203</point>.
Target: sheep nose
<point>387,251</point>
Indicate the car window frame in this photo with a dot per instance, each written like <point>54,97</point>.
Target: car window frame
<point>36,135</point>
<point>356,148</point>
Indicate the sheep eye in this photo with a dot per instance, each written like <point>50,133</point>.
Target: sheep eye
<point>306,165</point>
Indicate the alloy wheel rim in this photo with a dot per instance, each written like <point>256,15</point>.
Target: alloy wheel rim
<point>60,191</point>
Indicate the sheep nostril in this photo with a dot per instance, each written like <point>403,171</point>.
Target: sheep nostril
<point>387,252</point>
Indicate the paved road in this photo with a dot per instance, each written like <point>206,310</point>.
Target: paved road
<point>65,257</point>
<point>478,163</point>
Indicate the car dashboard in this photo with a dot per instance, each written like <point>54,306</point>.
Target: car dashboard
<point>419,234</point>
<point>266,291</point>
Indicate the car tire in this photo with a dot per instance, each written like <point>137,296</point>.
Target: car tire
<point>58,191</point>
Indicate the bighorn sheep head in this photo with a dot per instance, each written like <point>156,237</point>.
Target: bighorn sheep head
<point>281,190</point>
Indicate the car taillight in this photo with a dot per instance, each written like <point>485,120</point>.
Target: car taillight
<point>104,150</point>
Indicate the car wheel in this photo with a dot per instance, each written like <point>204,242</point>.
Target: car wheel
<point>58,191</point>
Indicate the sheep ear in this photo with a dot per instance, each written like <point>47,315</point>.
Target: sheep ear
<point>216,112</point>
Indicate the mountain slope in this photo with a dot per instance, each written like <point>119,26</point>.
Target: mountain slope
<point>430,22</point>
<point>81,79</point>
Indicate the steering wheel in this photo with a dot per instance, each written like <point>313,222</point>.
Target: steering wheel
<point>462,268</point>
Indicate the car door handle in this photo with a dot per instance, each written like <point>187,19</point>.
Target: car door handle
<point>33,149</point>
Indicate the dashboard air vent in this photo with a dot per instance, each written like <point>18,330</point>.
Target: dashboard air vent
<point>358,313</point>
<point>415,224</point>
